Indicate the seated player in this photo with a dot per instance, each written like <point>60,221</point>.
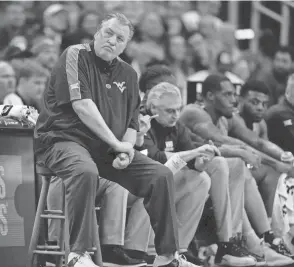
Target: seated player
<point>217,122</point>
<point>254,97</point>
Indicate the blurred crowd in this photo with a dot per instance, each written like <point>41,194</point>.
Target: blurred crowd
<point>186,36</point>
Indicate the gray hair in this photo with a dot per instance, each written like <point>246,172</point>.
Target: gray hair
<point>123,20</point>
<point>159,91</point>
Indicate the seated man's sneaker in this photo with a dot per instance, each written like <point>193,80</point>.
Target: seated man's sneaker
<point>254,250</point>
<point>117,256</point>
<point>190,257</point>
<point>178,261</point>
<point>289,243</point>
<point>84,260</point>
<point>276,259</point>
<point>231,254</point>
<point>280,247</point>
<point>271,257</point>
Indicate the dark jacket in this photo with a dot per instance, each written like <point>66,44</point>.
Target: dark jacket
<point>161,139</point>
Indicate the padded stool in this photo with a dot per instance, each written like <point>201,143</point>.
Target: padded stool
<point>60,250</point>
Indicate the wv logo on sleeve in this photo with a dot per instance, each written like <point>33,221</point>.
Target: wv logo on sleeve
<point>121,86</point>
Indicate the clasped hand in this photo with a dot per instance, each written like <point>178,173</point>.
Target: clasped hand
<point>205,154</point>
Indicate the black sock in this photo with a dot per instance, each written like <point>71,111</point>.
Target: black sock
<point>109,247</point>
<point>268,237</point>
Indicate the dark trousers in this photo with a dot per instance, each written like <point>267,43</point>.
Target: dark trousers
<point>144,178</point>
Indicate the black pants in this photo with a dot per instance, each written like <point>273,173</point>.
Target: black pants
<point>143,178</point>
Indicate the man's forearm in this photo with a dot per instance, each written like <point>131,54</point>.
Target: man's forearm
<point>130,136</point>
<point>268,160</point>
<point>231,151</point>
<point>271,149</point>
<point>216,137</point>
<point>89,114</point>
<point>184,155</point>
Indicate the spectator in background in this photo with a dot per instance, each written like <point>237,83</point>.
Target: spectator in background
<point>173,18</point>
<point>74,9</point>
<point>176,57</point>
<point>17,48</point>
<point>46,52</point>
<point>276,77</point>
<point>192,18</point>
<point>229,42</point>
<point>152,76</point>
<point>32,78</point>
<point>224,62</point>
<point>14,21</point>
<point>56,22</point>
<point>199,55</point>
<point>150,45</point>
<point>261,62</point>
<point>280,119</point>
<point>86,28</point>
<point>209,28</point>
<point>7,80</point>
<point>134,10</point>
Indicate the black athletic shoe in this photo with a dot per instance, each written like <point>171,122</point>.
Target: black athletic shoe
<point>140,255</point>
<point>117,256</point>
<point>240,240</point>
<point>232,254</point>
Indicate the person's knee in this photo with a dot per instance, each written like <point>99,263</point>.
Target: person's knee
<point>219,167</point>
<point>164,178</point>
<point>271,178</point>
<point>238,169</point>
<point>88,174</point>
<point>164,173</point>
<point>197,181</point>
<point>205,181</point>
<point>117,191</point>
<point>235,163</point>
<point>220,161</point>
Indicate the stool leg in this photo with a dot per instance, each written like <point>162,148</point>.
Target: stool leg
<point>37,223</point>
<point>97,254</point>
<point>62,229</point>
<point>66,233</point>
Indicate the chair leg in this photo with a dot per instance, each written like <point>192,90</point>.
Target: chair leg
<point>66,235</point>
<point>37,223</point>
<point>97,254</point>
<point>62,229</point>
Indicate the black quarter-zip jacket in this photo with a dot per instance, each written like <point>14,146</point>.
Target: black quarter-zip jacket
<point>80,74</point>
<point>160,139</point>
